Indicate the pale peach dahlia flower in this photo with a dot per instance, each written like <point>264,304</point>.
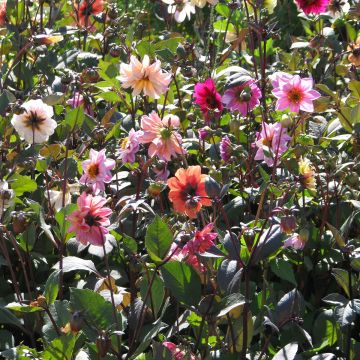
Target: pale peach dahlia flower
<point>35,124</point>
<point>143,77</point>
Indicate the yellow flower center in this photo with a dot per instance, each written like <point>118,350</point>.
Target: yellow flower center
<point>93,170</point>
<point>295,96</point>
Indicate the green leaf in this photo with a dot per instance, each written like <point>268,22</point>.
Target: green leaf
<point>230,302</point>
<point>283,270</point>
<point>157,293</point>
<point>337,236</point>
<point>96,309</point>
<point>61,216</point>
<point>110,96</point>
<point>342,278</point>
<point>324,330</point>
<point>73,263</point>
<point>23,308</point>
<point>75,118</point>
<point>60,348</point>
<point>183,282</point>
<point>52,287</point>
<point>6,317</point>
<point>158,239</point>
<point>288,352</point>
<point>270,242</point>
<point>21,184</point>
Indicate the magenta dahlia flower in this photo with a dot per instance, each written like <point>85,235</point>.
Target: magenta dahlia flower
<point>90,220</point>
<point>242,98</point>
<point>225,148</point>
<point>294,93</point>
<point>271,143</point>
<point>313,6</point>
<point>207,97</point>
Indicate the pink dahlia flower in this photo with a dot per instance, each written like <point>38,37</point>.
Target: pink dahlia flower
<point>90,220</point>
<point>208,98</point>
<point>164,141</point>
<point>78,100</point>
<point>200,243</point>
<point>294,92</point>
<point>313,6</point>
<point>129,146</point>
<point>271,143</point>
<point>161,171</point>
<point>295,241</point>
<point>225,148</point>
<point>97,170</point>
<point>242,98</point>
<point>143,77</point>
<point>176,352</point>
<point>2,12</point>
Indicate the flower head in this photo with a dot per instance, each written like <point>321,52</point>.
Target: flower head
<point>297,241</point>
<point>208,98</point>
<point>176,352</point>
<point>86,9</point>
<point>164,141</point>
<point>307,174</point>
<point>161,171</point>
<point>78,100</point>
<point>35,124</point>
<point>313,6</point>
<point>180,9</point>
<point>187,191</point>
<point>90,220</point>
<point>129,146</point>
<point>242,98</point>
<point>294,92</point>
<point>6,197</point>
<point>337,7</point>
<point>201,242</point>
<point>143,77</point>
<point>55,197</point>
<point>97,170</point>
<point>271,143</point>
<point>2,12</point>
<point>225,148</point>
<point>354,56</point>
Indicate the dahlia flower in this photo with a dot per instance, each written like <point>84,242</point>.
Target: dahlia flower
<point>200,243</point>
<point>202,3</point>
<point>90,220</point>
<point>6,197</point>
<point>35,124</point>
<point>164,141</point>
<point>242,98</point>
<point>307,174</point>
<point>271,143</point>
<point>78,100</point>
<point>86,9</point>
<point>225,148</point>
<point>129,146</point>
<point>97,170</point>
<point>295,241</point>
<point>143,77</point>
<point>354,56</point>
<point>187,191</point>
<point>313,6</point>
<point>55,197</point>
<point>2,12</point>
<point>176,352</point>
<point>208,98</point>
<point>294,92</point>
<point>161,171</point>
<point>180,8</point>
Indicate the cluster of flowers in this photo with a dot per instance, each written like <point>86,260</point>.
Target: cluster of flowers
<point>187,187</point>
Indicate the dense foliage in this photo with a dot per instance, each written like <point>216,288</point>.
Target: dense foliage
<point>179,179</point>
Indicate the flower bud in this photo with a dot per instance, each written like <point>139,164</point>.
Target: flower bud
<point>77,321</point>
<point>288,224</point>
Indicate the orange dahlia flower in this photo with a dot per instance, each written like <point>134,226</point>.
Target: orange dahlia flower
<point>354,49</point>
<point>187,191</point>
